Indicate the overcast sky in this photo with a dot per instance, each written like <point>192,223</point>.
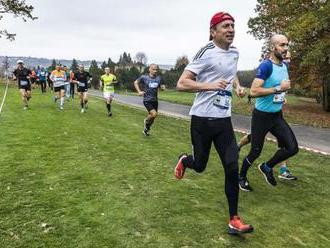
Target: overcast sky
<point>98,29</point>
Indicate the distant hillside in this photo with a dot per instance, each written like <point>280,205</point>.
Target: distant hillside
<point>33,62</point>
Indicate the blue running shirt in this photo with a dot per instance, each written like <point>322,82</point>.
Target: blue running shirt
<point>272,74</point>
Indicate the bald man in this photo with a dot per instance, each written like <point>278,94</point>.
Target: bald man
<point>269,86</point>
<point>151,83</point>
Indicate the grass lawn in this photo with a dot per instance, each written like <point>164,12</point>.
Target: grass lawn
<point>298,110</point>
<point>85,180</point>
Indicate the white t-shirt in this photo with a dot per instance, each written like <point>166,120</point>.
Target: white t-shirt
<point>210,64</point>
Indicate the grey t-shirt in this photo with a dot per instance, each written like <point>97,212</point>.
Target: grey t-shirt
<point>150,87</point>
<point>211,64</point>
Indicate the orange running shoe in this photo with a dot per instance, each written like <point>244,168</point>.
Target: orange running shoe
<point>236,226</point>
<point>179,168</point>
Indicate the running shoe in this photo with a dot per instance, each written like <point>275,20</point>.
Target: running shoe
<point>286,175</point>
<point>236,226</point>
<point>244,184</point>
<point>110,114</point>
<point>180,168</point>
<point>82,110</point>
<point>61,108</point>
<point>146,132</point>
<point>267,173</point>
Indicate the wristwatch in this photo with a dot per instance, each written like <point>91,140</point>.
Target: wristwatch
<point>278,89</point>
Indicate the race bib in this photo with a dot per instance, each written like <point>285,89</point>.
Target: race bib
<point>279,97</point>
<point>80,84</point>
<point>153,85</point>
<point>222,99</point>
<point>58,83</point>
<point>23,83</point>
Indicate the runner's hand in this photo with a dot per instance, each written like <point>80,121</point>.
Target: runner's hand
<point>240,91</point>
<point>141,93</point>
<point>219,85</point>
<point>285,85</point>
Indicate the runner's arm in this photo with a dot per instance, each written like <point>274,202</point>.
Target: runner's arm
<point>187,82</point>
<point>240,91</point>
<point>257,89</point>
<point>137,87</point>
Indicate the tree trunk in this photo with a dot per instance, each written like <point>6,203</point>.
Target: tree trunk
<point>326,94</point>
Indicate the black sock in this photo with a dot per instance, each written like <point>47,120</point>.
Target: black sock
<point>82,104</point>
<point>245,166</point>
<point>149,123</point>
<point>109,107</point>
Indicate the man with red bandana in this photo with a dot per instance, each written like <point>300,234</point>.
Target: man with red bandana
<point>212,74</point>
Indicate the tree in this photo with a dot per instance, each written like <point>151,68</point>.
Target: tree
<point>181,63</point>
<point>96,73</point>
<point>18,8</point>
<point>127,77</point>
<point>52,66</point>
<point>141,59</point>
<point>111,64</point>
<point>4,67</point>
<point>74,65</point>
<point>307,24</point>
<point>125,59</point>
<point>104,65</point>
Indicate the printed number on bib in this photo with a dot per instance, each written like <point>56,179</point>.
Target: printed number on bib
<point>222,100</point>
<point>153,85</point>
<point>23,83</point>
<point>279,97</point>
<point>80,84</point>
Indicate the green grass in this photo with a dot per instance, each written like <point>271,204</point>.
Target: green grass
<point>85,180</point>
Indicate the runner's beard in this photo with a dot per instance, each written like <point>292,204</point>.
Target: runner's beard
<point>278,55</point>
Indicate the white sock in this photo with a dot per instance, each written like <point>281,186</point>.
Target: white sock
<point>62,101</point>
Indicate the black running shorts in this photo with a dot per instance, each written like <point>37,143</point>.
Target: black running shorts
<point>151,105</point>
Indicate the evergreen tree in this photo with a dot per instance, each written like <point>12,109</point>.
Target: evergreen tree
<point>74,65</point>
<point>96,73</point>
<point>104,65</point>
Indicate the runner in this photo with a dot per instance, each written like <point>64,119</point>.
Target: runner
<point>42,77</point>
<point>269,86</point>
<point>67,83</point>
<point>33,78</point>
<point>151,83</point>
<point>81,78</point>
<point>284,172</point>
<point>49,81</point>
<point>107,82</point>
<point>72,85</point>
<point>58,78</point>
<point>22,75</point>
<point>212,74</point>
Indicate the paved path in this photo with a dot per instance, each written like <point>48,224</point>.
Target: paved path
<point>310,138</point>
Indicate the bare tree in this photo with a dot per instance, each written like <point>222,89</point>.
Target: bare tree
<point>141,59</point>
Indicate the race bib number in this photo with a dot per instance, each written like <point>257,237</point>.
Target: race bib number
<point>153,85</point>
<point>80,84</point>
<point>108,87</point>
<point>279,97</point>
<point>58,83</point>
<point>23,83</point>
<point>222,100</point>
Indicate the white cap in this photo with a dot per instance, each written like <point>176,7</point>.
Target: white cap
<point>19,62</point>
